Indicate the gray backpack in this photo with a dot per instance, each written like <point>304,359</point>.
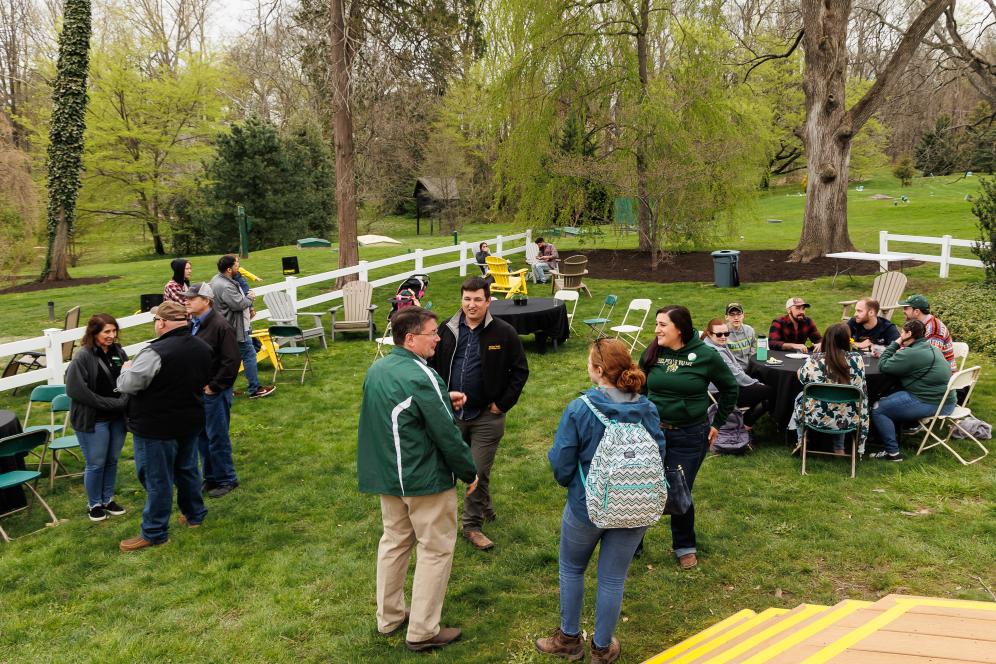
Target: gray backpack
<point>733,438</point>
<point>626,486</point>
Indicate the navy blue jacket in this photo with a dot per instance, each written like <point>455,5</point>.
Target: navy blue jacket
<point>580,432</point>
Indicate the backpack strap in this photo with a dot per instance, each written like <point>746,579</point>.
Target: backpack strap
<point>601,416</point>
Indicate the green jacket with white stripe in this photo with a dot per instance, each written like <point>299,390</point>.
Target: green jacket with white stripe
<point>408,443</point>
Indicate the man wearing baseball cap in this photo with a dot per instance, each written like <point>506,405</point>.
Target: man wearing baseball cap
<point>791,331</point>
<point>742,341</point>
<point>916,307</point>
<point>213,441</point>
<point>166,382</point>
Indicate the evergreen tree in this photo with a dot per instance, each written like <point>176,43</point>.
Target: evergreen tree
<point>65,150</point>
<point>937,151</point>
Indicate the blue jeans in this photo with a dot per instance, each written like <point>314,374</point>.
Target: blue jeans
<point>160,464</point>
<point>541,271</point>
<point>213,442</point>
<point>101,450</point>
<point>248,353</point>
<point>686,448</point>
<point>577,543</point>
<point>899,407</point>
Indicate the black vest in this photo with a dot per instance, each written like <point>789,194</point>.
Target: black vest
<point>172,406</point>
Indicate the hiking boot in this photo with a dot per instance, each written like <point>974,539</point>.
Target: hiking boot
<point>559,644</point>
<point>263,391</point>
<point>610,653</point>
<point>687,561</point>
<point>478,540</point>
<point>446,636</point>
<point>136,543</point>
<point>222,489</point>
<point>98,513</point>
<point>184,521</point>
<point>886,456</point>
<point>114,509</point>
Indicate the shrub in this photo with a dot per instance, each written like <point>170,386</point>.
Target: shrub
<point>904,171</point>
<point>937,151</point>
<point>984,209</point>
<point>962,309</point>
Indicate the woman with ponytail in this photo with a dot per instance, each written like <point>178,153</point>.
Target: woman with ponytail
<point>618,383</point>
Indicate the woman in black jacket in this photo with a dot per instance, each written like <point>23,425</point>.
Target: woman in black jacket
<point>97,412</point>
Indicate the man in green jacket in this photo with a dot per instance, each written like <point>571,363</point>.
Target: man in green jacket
<point>923,372</point>
<point>410,452</point>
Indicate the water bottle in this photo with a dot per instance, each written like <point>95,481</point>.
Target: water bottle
<point>762,348</point>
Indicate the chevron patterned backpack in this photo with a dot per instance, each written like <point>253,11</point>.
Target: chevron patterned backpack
<point>625,487</point>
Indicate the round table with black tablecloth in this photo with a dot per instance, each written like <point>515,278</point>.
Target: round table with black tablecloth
<point>546,317</point>
<point>784,380</point>
<point>10,499</point>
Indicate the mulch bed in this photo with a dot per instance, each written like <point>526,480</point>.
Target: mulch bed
<point>34,286</point>
<point>755,266</point>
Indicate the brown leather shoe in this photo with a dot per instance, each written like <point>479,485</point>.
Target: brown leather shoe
<point>408,614</point>
<point>478,540</point>
<point>136,543</point>
<point>184,522</point>
<point>446,636</point>
<point>609,654</point>
<point>688,561</point>
<point>559,644</point>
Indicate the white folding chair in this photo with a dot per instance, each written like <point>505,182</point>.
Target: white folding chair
<point>629,332</point>
<point>386,340</point>
<point>960,353</point>
<point>934,424</point>
<point>568,296</point>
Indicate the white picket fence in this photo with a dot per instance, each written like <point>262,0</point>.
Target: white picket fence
<point>945,259</point>
<point>50,343</point>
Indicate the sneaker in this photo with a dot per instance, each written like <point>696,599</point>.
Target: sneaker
<point>913,430</point>
<point>559,644</point>
<point>446,636</point>
<point>478,540</point>
<point>98,513</point>
<point>263,391</point>
<point>114,509</point>
<point>886,456</point>
<point>608,654</point>
<point>222,490</point>
<point>688,561</point>
<point>136,543</point>
<point>186,522</point>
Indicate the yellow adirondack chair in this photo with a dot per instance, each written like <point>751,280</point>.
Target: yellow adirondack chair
<point>506,282</point>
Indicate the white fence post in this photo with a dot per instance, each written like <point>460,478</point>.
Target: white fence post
<point>291,288</point>
<point>529,236</point>
<point>364,272</point>
<point>500,246</point>
<point>53,357</point>
<point>463,258</point>
<point>945,255</point>
<point>419,260</point>
<point>883,248</point>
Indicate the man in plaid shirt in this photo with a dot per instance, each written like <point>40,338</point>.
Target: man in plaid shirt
<point>791,331</point>
<point>916,307</point>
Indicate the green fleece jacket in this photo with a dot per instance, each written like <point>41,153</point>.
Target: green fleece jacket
<point>678,384</point>
<point>408,443</point>
<point>921,369</point>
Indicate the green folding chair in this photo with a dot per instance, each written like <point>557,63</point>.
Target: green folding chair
<point>289,334</point>
<point>65,442</point>
<point>598,323</point>
<point>830,394</point>
<point>46,394</point>
<point>13,446</point>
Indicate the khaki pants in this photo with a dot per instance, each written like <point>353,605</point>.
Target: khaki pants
<point>431,522</point>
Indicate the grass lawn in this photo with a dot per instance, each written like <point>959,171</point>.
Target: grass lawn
<point>283,569</point>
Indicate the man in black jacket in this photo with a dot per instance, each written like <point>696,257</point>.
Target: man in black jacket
<point>213,441</point>
<point>166,410</point>
<point>482,357</point>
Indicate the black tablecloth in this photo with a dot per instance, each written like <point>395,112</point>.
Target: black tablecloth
<point>782,377</point>
<point>546,317</point>
<point>10,499</point>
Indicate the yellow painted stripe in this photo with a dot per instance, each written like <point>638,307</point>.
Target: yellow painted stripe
<point>729,635</point>
<point>696,639</point>
<point>817,626</point>
<point>808,611</point>
<point>902,606</point>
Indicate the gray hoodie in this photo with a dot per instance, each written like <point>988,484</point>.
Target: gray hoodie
<point>742,343</point>
<point>743,380</point>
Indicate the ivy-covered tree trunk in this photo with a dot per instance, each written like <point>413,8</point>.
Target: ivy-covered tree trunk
<point>65,150</point>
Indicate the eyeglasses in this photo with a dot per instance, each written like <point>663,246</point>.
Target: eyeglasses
<point>721,334</point>
<point>426,334</point>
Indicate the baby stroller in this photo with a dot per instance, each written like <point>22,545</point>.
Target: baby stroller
<point>410,294</point>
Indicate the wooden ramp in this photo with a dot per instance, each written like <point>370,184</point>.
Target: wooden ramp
<point>897,629</point>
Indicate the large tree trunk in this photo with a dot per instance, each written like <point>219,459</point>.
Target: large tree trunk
<point>157,238</point>
<point>829,127</point>
<point>342,52</point>
<point>58,267</point>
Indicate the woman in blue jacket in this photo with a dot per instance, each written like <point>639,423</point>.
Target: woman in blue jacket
<point>618,382</point>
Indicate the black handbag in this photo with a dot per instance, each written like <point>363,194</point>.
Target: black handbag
<point>679,497</point>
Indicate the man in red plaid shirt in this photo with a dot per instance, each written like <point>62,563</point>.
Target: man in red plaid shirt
<point>791,331</point>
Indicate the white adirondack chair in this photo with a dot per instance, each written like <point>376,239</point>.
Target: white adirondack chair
<point>282,312</point>
<point>532,251</point>
<point>355,314</point>
<point>887,288</point>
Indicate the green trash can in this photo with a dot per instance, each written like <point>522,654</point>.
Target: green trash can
<point>726,268</point>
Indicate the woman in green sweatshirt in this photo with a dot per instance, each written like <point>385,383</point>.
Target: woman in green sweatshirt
<point>679,368</point>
